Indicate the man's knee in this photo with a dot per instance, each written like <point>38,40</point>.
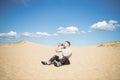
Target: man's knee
<point>55,56</point>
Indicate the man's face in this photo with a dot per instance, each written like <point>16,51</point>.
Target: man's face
<point>66,44</point>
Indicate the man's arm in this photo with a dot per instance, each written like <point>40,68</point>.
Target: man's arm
<point>58,49</point>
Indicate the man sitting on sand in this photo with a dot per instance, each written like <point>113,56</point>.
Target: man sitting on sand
<point>66,54</point>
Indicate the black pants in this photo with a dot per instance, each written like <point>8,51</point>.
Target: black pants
<point>63,60</point>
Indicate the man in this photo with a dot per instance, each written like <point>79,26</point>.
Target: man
<point>66,54</point>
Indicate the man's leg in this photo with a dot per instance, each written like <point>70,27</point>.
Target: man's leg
<point>55,57</point>
<point>51,60</point>
<point>63,61</point>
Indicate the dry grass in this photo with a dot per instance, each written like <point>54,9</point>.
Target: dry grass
<point>110,44</point>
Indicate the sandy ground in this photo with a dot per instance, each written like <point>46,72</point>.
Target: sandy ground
<point>21,61</point>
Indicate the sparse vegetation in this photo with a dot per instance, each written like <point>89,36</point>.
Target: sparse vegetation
<point>110,44</point>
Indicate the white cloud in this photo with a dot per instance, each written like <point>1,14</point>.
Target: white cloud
<point>83,32</point>
<point>8,36</point>
<point>89,31</point>
<point>112,22</point>
<point>55,34</point>
<point>68,30</point>
<point>36,34</point>
<point>27,34</point>
<point>104,25</point>
<point>60,28</point>
<point>25,2</point>
<point>12,33</point>
<point>44,34</point>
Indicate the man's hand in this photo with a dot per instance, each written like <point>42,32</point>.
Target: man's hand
<point>58,50</point>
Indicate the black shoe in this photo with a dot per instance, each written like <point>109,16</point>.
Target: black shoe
<point>55,64</point>
<point>44,63</point>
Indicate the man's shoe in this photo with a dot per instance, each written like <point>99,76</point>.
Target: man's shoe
<point>55,64</point>
<point>44,63</point>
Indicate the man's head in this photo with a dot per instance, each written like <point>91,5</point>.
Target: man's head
<point>67,44</point>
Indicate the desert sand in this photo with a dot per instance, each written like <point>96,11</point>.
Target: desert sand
<point>21,61</point>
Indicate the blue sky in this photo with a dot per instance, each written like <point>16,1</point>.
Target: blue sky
<point>82,22</point>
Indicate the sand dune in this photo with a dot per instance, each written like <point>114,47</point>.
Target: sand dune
<point>21,61</point>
